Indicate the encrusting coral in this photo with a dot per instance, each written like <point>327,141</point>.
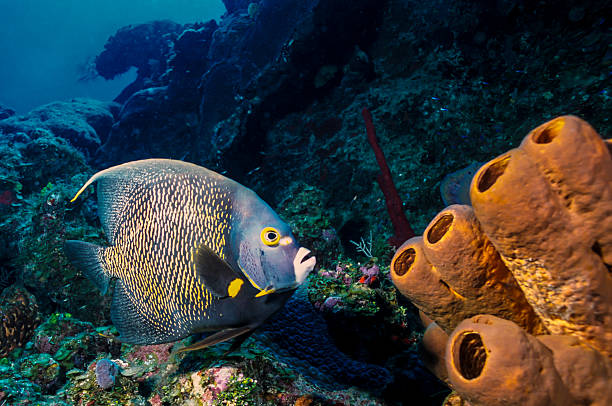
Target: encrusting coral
<point>528,268</point>
<point>18,318</point>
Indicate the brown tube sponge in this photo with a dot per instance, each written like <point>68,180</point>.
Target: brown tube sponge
<point>585,372</point>
<point>492,361</point>
<point>433,349</point>
<point>425,319</point>
<point>416,279</point>
<point>576,162</point>
<point>562,277</point>
<point>467,261</point>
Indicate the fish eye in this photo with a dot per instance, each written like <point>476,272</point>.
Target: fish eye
<point>270,236</point>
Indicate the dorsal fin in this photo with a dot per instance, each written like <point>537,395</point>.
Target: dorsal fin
<point>116,185</point>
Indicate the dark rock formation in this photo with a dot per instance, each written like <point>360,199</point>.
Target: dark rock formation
<point>289,56</point>
<point>144,46</point>
<point>233,6</point>
<point>162,105</point>
<point>255,67</point>
<point>188,62</point>
<point>150,124</point>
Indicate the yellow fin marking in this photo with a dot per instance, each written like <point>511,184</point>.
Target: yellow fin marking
<point>265,292</point>
<point>92,180</point>
<point>234,287</point>
<point>249,278</point>
<point>79,192</point>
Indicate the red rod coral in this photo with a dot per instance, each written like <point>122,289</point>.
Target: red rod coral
<point>401,227</point>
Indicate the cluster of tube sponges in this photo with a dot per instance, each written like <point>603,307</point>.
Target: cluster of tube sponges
<point>516,290</point>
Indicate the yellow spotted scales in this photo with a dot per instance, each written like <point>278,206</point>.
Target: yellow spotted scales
<point>177,219</point>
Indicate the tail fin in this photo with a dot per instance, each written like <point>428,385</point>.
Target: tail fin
<point>87,257</point>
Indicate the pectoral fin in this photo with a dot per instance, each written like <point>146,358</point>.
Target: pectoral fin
<point>216,338</point>
<point>217,275</point>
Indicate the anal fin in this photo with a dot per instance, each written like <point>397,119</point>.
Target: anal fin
<point>238,341</point>
<point>134,327</point>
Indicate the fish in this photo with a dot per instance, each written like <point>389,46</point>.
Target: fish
<point>189,251</point>
<point>455,187</point>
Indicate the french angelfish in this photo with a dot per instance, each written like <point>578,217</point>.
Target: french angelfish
<point>455,187</point>
<point>189,251</point>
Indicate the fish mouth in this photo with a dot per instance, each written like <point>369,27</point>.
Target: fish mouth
<point>303,264</point>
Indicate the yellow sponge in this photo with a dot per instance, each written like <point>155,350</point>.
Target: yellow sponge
<point>493,362</point>
<point>453,272</point>
<point>550,220</point>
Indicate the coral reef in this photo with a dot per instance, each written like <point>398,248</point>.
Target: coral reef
<point>5,112</point>
<point>71,354</point>
<point>304,210</point>
<point>272,94</point>
<point>540,221</point>
<point>45,269</point>
<point>39,172</point>
<point>84,123</point>
<point>42,370</point>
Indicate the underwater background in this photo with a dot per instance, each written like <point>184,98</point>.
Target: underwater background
<point>269,93</point>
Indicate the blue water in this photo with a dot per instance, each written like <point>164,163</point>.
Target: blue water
<point>46,45</point>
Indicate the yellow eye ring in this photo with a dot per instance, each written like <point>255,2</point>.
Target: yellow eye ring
<point>270,236</point>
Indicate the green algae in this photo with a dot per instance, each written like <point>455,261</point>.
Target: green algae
<point>239,392</point>
<point>52,220</point>
<point>42,370</point>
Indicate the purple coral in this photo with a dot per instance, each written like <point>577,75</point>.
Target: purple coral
<point>106,371</point>
<point>338,273</point>
<point>330,302</point>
